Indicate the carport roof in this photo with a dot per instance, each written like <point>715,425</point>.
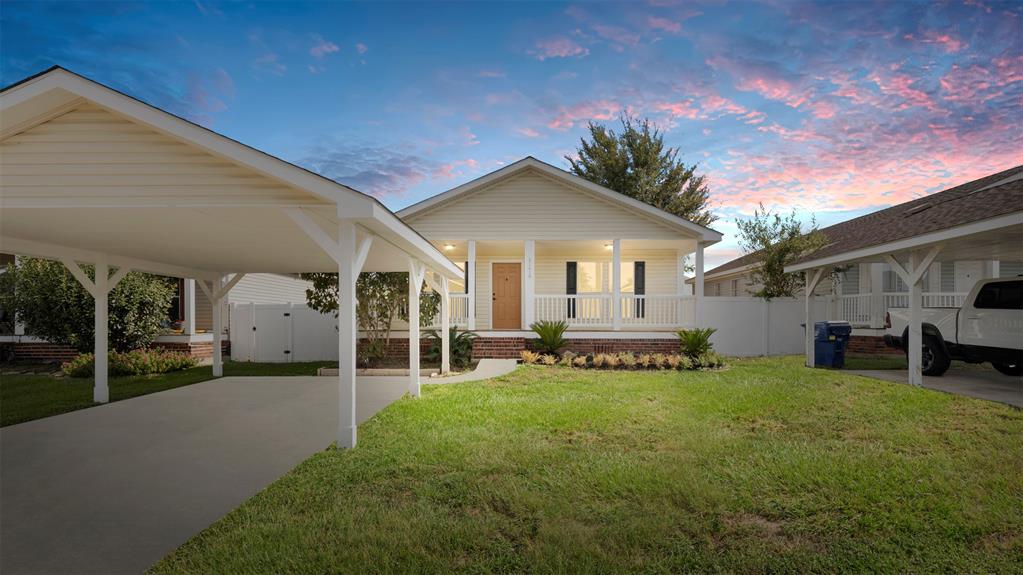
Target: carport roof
<point>991,207</point>
<point>190,224</point>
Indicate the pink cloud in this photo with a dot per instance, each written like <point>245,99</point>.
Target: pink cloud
<point>656,23</point>
<point>684,109</point>
<point>559,48</point>
<point>619,36</point>
<point>584,111</point>
<point>322,47</point>
<point>946,41</point>
<point>902,87</point>
<point>361,48</point>
<point>527,132</point>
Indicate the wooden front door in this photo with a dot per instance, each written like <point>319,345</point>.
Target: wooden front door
<point>507,296</point>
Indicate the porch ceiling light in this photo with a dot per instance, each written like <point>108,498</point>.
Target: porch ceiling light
<point>608,246</point>
<point>449,247</point>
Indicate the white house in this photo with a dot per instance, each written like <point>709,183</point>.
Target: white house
<point>539,243</point>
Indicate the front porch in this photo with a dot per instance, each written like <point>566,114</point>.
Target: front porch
<point>597,285</point>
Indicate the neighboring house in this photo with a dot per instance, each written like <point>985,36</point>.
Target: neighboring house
<point>540,243</point>
<point>189,318</point>
<point>864,291</point>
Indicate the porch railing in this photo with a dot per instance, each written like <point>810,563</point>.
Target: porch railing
<point>858,308</point>
<point>594,310</point>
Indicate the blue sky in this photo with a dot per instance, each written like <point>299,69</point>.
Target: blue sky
<point>832,109</point>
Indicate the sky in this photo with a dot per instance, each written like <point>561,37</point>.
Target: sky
<point>831,109</point>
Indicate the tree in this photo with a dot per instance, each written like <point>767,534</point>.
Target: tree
<point>382,298</point>
<point>635,162</point>
<point>778,241</point>
<point>52,305</point>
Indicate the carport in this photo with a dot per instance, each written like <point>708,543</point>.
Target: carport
<point>980,220</point>
<point>93,176</point>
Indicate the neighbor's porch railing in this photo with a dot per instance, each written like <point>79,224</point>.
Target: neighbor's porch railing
<point>857,308</point>
<point>594,310</point>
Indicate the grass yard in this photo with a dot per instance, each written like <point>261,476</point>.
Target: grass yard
<point>761,467</point>
<point>28,396</point>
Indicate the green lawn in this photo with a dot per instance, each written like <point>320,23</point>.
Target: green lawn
<point>762,467</point>
<point>24,397</point>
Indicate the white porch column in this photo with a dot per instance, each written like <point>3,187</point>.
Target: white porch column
<point>218,325</point>
<point>530,289</point>
<point>347,334</point>
<point>915,318</point>
<point>616,284</point>
<point>101,389</point>
<point>877,307</point>
<point>813,277</point>
<point>470,278</point>
<point>415,286</point>
<point>189,297</point>
<point>445,324</point>
<point>698,286</point>
<point>913,277</point>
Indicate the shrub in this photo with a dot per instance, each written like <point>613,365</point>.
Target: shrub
<point>645,361</point>
<point>548,359</point>
<point>551,334</point>
<point>612,361</point>
<point>461,348</point>
<point>672,361</point>
<point>684,362</point>
<point>529,357</point>
<point>567,358</point>
<point>695,342</point>
<point>658,361</point>
<point>136,362</point>
<point>626,360</point>
<point>708,360</point>
<point>579,361</point>
<point>599,360</point>
<point>370,352</point>
<point>52,305</point>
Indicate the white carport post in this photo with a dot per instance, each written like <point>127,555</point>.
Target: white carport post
<point>913,277</point>
<point>189,297</point>
<point>698,286</point>
<point>416,272</point>
<point>99,288</point>
<point>439,284</point>
<point>215,293</point>
<point>813,277</point>
<point>350,259</point>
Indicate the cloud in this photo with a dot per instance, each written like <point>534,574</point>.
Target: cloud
<point>527,132</point>
<point>491,74</point>
<point>381,171</point>
<point>663,24</point>
<point>361,48</point>
<point>947,42</point>
<point>322,47</point>
<point>270,62</point>
<point>569,116</point>
<point>560,47</point>
<point>619,37</point>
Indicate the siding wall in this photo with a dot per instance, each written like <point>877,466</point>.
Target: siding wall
<point>92,153</point>
<point>533,206</point>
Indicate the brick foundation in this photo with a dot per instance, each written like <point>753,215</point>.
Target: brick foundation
<point>44,352</point>
<point>869,345</point>
<point>398,348</point>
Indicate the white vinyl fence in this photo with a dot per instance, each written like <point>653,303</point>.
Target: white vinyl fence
<point>294,332</point>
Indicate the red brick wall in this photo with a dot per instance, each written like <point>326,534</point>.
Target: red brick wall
<point>46,352</point>
<point>870,345</point>
<point>511,347</point>
<point>398,348</point>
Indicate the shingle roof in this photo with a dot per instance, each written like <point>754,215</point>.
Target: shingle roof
<point>988,197</point>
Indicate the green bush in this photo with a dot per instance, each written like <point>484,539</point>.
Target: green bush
<point>52,305</point>
<point>136,362</point>
<point>695,342</point>
<point>461,348</point>
<point>551,334</point>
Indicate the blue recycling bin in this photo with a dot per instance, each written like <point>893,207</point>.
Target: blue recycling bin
<point>829,341</point>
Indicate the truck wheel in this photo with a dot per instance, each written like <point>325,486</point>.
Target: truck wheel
<point>1014,369</point>
<point>934,359</point>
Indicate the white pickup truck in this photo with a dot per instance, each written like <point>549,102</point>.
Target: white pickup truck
<point>989,327</point>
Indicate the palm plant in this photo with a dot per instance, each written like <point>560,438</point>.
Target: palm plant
<point>551,334</point>
<point>461,348</point>
<point>695,342</point>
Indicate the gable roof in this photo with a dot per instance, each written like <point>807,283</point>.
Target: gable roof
<point>528,163</point>
<point>991,196</point>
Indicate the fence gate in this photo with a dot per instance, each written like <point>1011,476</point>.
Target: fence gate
<point>282,333</point>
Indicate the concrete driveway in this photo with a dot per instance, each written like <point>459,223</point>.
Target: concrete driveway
<point>114,488</point>
<point>980,383</point>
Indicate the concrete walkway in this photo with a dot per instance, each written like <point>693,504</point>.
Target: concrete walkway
<point>979,383</point>
<point>485,369</point>
<point>114,488</point>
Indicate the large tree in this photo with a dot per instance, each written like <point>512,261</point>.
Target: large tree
<point>634,161</point>
<point>777,241</point>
